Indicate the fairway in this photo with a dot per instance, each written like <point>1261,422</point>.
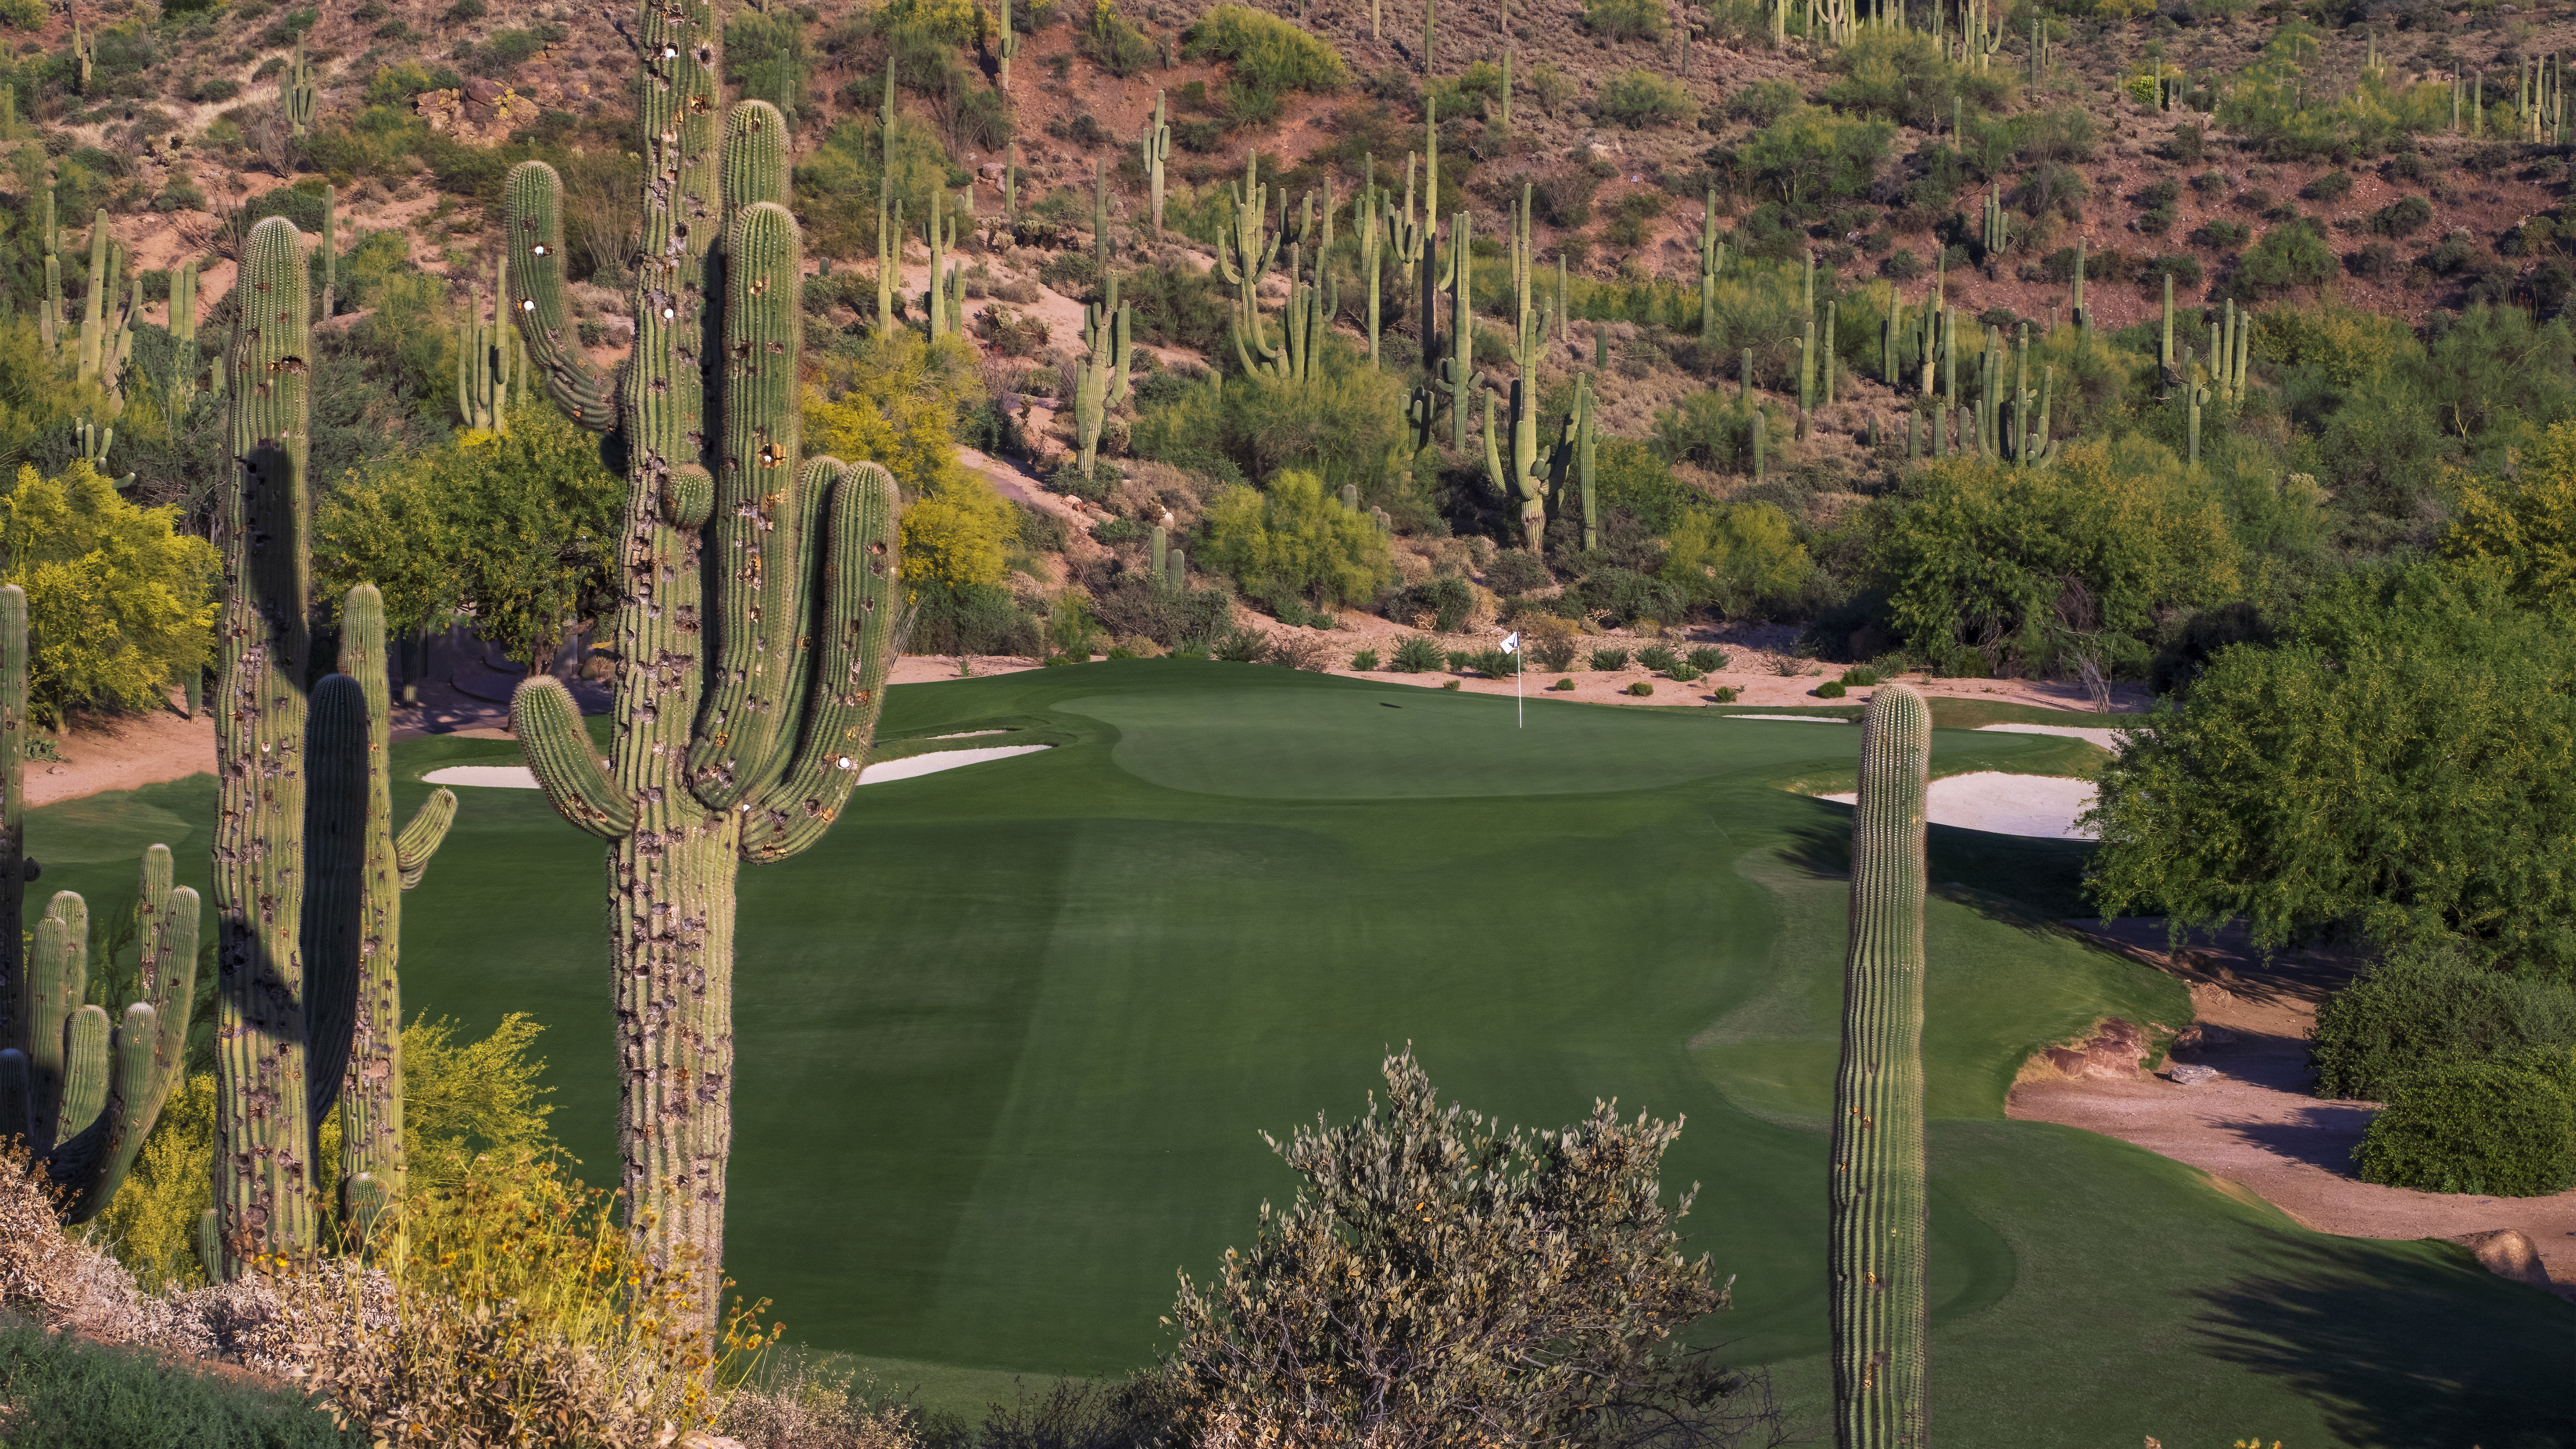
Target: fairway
<point>1008,1035</point>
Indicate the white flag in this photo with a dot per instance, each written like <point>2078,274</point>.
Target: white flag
<point>1512,642</point>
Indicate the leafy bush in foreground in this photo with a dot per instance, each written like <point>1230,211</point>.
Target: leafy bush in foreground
<point>2424,1011</point>
<point>1435,1271</point>
<point>67,1394</point>
<point>2506,1128</point>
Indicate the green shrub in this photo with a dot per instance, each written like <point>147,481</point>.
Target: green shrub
<point>2332,187</point>
<point>1450,685</point>
<point>1554,655</point>
<point>1460,660</point>
<point>1628,596</point>
<point>1609,661</point>
<point>1640,98</point>
<point>2296,255</point>
<point>1860,678</point>
<point>1242,646</point>
<point>1562,684</point>
<point>2422,1011</point>
<point>1708,660</point>
<point>1625,19</point>
<point>1415,654</point>
<point>2400,218</point>
<point>67,1394</point>
<point>1808,154</point>
<point>1365,661</point>
<point>1447,600</point>
<point>2506,1129</point>
<point>1725,694</point>
<point>971,619</point>
<point>1267,53</point>
<point>1641,688</point>
<point>1830,689</point>
<point>1657,658</point>
<point>1682,673</point>
<point>1495,663</point>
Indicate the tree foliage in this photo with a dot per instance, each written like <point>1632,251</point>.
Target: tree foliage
<point>120,604</point>
<point>895,402</point>
<point>517,529</point>
<point>1294,536</point>
<point>2404,765</point>
<point>2526,525</point>
<point>1440,1282</point>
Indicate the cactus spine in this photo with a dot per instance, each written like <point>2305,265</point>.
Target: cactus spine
<point>1876,1195</point>
<point>297,91</point>
<point>1102,384</point>
<point>80,1088</point>
<point>1157,146</point>
<point>749,752</point>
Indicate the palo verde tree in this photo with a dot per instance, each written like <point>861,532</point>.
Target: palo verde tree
<point>748,683</point>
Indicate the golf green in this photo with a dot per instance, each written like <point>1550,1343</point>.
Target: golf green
<point>1009,1035</point>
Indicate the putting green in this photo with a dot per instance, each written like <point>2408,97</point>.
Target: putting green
<point>1007,1037</point>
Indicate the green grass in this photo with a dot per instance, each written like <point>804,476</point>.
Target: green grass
<point>62,1393</point>
<point>1008,1035</point>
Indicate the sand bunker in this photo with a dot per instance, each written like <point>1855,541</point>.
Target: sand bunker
<point>1795,718</point>
<point>2041,805</point>
<point>2107,739</point>
<point>517,777</point>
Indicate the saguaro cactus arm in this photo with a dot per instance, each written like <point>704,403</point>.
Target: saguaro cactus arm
<point>564,760</point>
<point>535,278</point>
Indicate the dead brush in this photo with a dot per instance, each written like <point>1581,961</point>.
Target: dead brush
<point>514,1310</point>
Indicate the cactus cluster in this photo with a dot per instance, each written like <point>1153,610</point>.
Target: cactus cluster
<point>1876,1197</point>
<point>1998,233</point>
<point>758,605</point>
<point>295,91</point>
<point>179,388</point>
<point>487,359</point>
<point>2231,347</point>
<point>308,868</point>
<point>1532,469</point>
<point>79,1087</point>
<point>105,342</point>
<point>1102,381</point>
<point>2011,418</point>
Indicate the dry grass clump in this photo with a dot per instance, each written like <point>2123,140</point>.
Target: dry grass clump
<point>803,1408</point>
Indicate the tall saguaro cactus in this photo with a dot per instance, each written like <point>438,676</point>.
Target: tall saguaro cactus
<point>1102,383</point>
<point>296,90</point>
<point>306,859</point>
<point>1879,1213</point>
<point>1533,469</point>
<point>748,684</point>
<point>80,1088</point>
<point>1156,146</point>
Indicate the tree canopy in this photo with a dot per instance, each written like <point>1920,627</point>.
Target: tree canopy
<point>120,604</point>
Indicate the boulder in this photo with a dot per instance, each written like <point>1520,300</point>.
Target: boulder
<point>2507,1253</point>
<point>2187,1075</point>
<point>2115,1050</point>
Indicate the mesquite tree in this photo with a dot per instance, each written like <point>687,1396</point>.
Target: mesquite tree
<point>1876,1302</point>
<point>756,613</point>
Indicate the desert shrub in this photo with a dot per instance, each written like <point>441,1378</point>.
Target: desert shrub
<point>2332,187</point>
<point>1708,660</point>
<point>1364,661</point>
<point>120,603</point>
<point>1641,688</point>
<point>836,182</point>
<point>1415,654</point>
<point>1301,651</point>
<point>1113,43</point>
<point>1808,154</point>
<point>1179,306</point>
<point>1712,428</point>
<point>2424,1010</point>
<point>1007,333</point>
<point>1830,689</point>
<point>1627,595</point>
<point>2224,235</point>
<point>1446,600</point>
<point>1553,654</point>
<point>1683,673</point>
<point>1495,663</point>
<point>2506,1129</point>
<point>1764,101</point>
<point>2400,218</point>
<point>1460,660</point>
<point>1241,646</point>
<point>1860,678</point>
<point>2296,255</point>
<point>1436,1268</point>
<point>68,1394</point>
<point>1725,694</point>
<point>1737,557</point>
<point>1345,424</point>
<point>1563,684</point>
<point>1609,661</point>
<point>1625,19</point>
<point>1266,52</point>
<point>1517,571</point>
<point>1292,535</point>
<point>1657,658</point>
<point>1902,76</point>
<point>1640,98</point>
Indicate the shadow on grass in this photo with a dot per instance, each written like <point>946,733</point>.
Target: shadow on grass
<point>2030,884</point>
<point>2399,1350</point>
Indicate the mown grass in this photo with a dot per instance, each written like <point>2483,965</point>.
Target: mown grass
<point>62,1393</point>
<point>1008,1035</point>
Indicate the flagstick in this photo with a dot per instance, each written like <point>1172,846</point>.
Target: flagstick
<point>1519,720</point>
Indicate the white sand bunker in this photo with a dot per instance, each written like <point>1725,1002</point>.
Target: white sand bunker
<point>518,777</point>
<point>2041,805</point>
<point>2107,739</point>
<point>1795,718</point>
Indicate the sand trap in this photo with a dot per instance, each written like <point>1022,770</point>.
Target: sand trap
<point>970,735</point>
<point>2107,739</point>
<point>2041,805</point>
<point>1795,718</point>
<point>518,777</point>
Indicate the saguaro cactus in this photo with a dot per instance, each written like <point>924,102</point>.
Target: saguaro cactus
<point>1712,261</point>
<point>179,388</point>
<point>306,931</point>
<point>1876,1197</point>
<point>80,1088</point>
<point>49,315</point>
<point>889,209</point>
<point>84,51</point>
<point>1103,381</point>
<point>484,358</point>
<point>946,299</point>
<point>750,753</point>
<point>1009,46</point>
<point>296,90</point>
<point>1533,469</point>
<point>331,252</point>
<point>1156,144</point>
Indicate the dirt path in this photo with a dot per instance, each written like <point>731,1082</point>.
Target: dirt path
<point>2255,1125</point>
<point>123,754</point>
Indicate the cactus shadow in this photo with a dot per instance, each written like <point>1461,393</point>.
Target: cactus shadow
<point>2397,1346</point>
